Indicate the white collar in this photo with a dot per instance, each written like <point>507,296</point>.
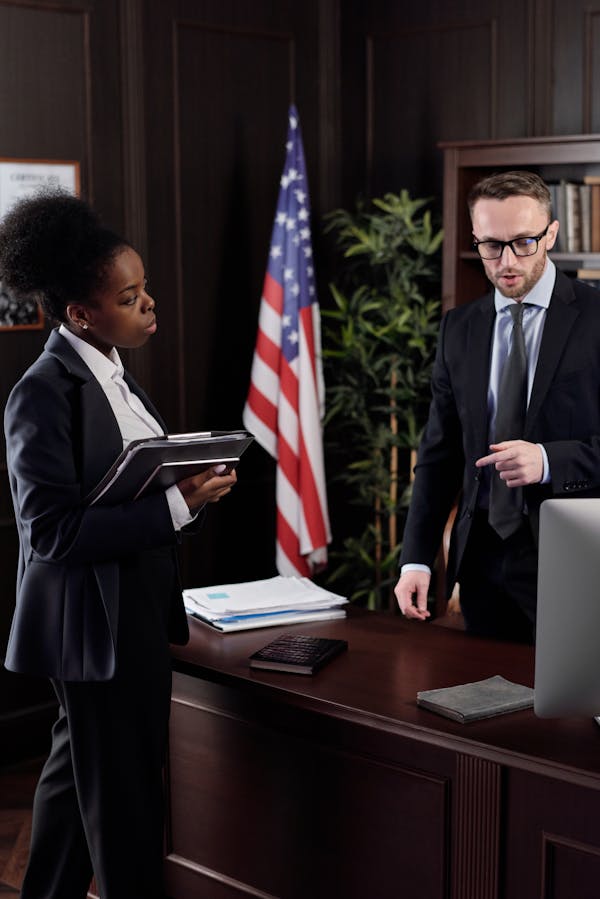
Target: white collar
<point>104,368</point>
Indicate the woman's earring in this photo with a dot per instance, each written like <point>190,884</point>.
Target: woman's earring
<point>84,326</point>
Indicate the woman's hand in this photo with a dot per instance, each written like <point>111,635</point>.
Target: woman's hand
<point>207,487</point>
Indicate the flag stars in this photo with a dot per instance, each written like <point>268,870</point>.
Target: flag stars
<point>300,196</point>
<point>307,252</point>
<point>275,251</point>
<point>295,289</point>
<point>281,218</point>
<point>293,337</point>
<point>303,214</point>
<point>305,233</point>
<point>288,274</point>
<point>289,177</point>
<point>290,224</point>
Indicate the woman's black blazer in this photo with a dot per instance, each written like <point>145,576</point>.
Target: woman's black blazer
<point>61,437</point>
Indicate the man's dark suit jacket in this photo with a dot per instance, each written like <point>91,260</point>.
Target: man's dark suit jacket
<point>62,437</point>
<point>563,415</point>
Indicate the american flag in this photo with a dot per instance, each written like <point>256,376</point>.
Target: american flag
<point>286,396</point>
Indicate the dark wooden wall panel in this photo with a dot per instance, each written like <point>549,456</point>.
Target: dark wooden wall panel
<point>230,144</point>
<point>436,72</point>
<point>226,181</point>
<point>46,55</point>
<point>591,72</point>
<point>406,69</point>
<point>576,67</point>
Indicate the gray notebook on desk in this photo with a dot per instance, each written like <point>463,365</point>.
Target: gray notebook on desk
<point>482,699</point>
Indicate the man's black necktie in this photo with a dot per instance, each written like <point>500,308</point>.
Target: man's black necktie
<point>506,503</point>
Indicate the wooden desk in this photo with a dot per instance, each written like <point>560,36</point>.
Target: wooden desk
<point>339,786</point>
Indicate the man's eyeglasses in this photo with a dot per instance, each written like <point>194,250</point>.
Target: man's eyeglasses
<point>521,246</point>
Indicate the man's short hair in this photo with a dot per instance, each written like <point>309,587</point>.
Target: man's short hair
<point>502,185</point>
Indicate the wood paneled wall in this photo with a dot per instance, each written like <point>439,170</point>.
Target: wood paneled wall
<point>177,110</point>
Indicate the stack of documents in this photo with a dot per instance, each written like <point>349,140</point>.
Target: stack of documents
<point>277,600</point>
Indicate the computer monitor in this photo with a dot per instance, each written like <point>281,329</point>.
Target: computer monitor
<point>567,651</point>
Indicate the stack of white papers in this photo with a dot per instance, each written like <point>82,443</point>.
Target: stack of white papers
<point>276,600</point>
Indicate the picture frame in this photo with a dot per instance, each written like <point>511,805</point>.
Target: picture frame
<point>20,178</point>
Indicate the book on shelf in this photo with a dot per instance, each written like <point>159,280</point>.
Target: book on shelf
<point>576,205</point>
<point>155,463</point>
<point>264,603</point>
<point>595,217</point>
<point>573,217</point>
<point>588,274</point>
<point>297,653</point>
<point>558,196</point>
<point>585,212</point>
<point>475,701</point>
<point>591,276</point>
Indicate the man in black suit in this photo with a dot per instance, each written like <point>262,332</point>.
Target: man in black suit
<point>556,453</point>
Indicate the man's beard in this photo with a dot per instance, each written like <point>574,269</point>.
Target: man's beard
<point>525,283</point>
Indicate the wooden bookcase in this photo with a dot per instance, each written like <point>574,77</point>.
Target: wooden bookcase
<point>553,158</point>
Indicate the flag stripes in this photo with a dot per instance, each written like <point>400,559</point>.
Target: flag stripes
<point>286,395</point>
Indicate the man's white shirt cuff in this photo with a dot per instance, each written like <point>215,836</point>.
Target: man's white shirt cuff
<point>546,474</point>
<point>415,566</point>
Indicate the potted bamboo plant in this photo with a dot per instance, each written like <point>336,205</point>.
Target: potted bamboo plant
<point>378,349</point>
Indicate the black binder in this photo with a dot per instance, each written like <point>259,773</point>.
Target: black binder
<point>156,463</point>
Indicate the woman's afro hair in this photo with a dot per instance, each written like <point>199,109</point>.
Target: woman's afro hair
<point>54,247</point>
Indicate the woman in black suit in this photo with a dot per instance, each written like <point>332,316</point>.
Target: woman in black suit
<point>98,593</point>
